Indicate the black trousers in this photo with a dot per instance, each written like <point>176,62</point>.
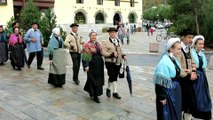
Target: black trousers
<point>39,57</point>
<point>112,71</point>
<point>188,95</point>
<point>76,59</point>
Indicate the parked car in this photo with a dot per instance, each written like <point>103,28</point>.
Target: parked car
<point>159,26</point>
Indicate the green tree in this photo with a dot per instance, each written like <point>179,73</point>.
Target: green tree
<point>207,24</point>
<point>48,22</point>
<point>9,29</point>
<point>29,14</point>
<point>193,14</point>
<point>160,12</point>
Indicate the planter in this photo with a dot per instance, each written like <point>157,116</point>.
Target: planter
<point>211,63</point>
<point>153,47</point>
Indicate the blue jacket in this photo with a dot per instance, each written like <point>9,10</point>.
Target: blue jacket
<point>31,46</point>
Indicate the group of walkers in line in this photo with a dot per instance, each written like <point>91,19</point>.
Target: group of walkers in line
<point>180,80</point>
<point>90,53</point>
<point>15,45</point>
<point>181,85</point>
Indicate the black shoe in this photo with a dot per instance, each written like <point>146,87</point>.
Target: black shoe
<point>2,63</point>
<point>96,99</point>
<point>19,68</point>
<point>28,66</point>
<point>58,86</point>
<point>108,93</point>
<point>77,82</point>
<point>115,95</point>
<point>14,67</point>
<point>40,68</point>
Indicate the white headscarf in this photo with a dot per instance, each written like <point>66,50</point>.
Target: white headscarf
<point>196,38</point>
<point>91,31</point>
<point>55,31</point>
<point>171,42</point>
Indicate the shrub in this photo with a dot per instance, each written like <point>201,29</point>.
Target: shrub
<point>29,14</point>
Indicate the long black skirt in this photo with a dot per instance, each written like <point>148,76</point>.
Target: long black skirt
<point>56,80</point>
<point>17,55</point>
<point>95,76</point>
<point>3,52</point>
<point>172,109</point>
<point>203,98</point>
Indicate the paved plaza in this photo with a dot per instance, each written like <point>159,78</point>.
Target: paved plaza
<point>25,95</point>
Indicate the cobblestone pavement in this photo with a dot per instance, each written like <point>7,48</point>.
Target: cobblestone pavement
<point>25,95</point>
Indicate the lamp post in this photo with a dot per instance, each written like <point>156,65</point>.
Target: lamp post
<point>158,17</point>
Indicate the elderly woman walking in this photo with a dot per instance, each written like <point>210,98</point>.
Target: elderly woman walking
<point>94,66</point>
<point>16,46</point>
<point>57,70</point>
<point>3,46</point>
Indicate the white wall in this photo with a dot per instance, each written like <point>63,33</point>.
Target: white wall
<point>6,12</point>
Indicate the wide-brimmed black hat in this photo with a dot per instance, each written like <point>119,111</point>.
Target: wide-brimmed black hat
<point>14,23</point>
<point>74,25</point>
<point>187,32</point>
<point>112,29</point>
<point>33,23</point>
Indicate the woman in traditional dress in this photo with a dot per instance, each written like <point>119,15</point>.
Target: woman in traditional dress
<point>57,71</point>
<point>166,80</point>
<point>201,87</point>
<point>3,46</point>
<point>94,66</point>
<point>16,46</point>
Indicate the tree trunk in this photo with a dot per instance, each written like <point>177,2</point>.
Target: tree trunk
<point>197,22</point>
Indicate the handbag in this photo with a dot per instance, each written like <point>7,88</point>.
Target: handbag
<point>122,69</point>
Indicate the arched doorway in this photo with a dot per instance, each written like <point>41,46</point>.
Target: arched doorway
<point>99,18</point>
<point>116,19</point>
<point>131,18</point>
<point>80,18</point>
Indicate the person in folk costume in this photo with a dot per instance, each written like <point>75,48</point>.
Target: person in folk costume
<point>74,42</point>
<point>93,64</point>
<point>200,86</point>
<point>187,77</point>
<point>57,70</point>
<point>16,46</point>
<point>112,51</point>
<point>3,46</point>
<point>34,41</point>
<point>166,79</point>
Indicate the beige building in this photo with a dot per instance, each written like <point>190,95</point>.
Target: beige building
<point>98,11</point>
<point>6,11</point>
<point>102,12</point>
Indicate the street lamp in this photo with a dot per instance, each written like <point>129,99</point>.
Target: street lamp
<point>158,17</point>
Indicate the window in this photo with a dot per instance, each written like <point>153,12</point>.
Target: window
<point>3,2</point>
<point>80,18</point>
<point>117,2</point>
<point>100,2</point>
<point>131,18</point>
<point>80,1</point>
<point>99,19</point>
<point>132,3</point>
